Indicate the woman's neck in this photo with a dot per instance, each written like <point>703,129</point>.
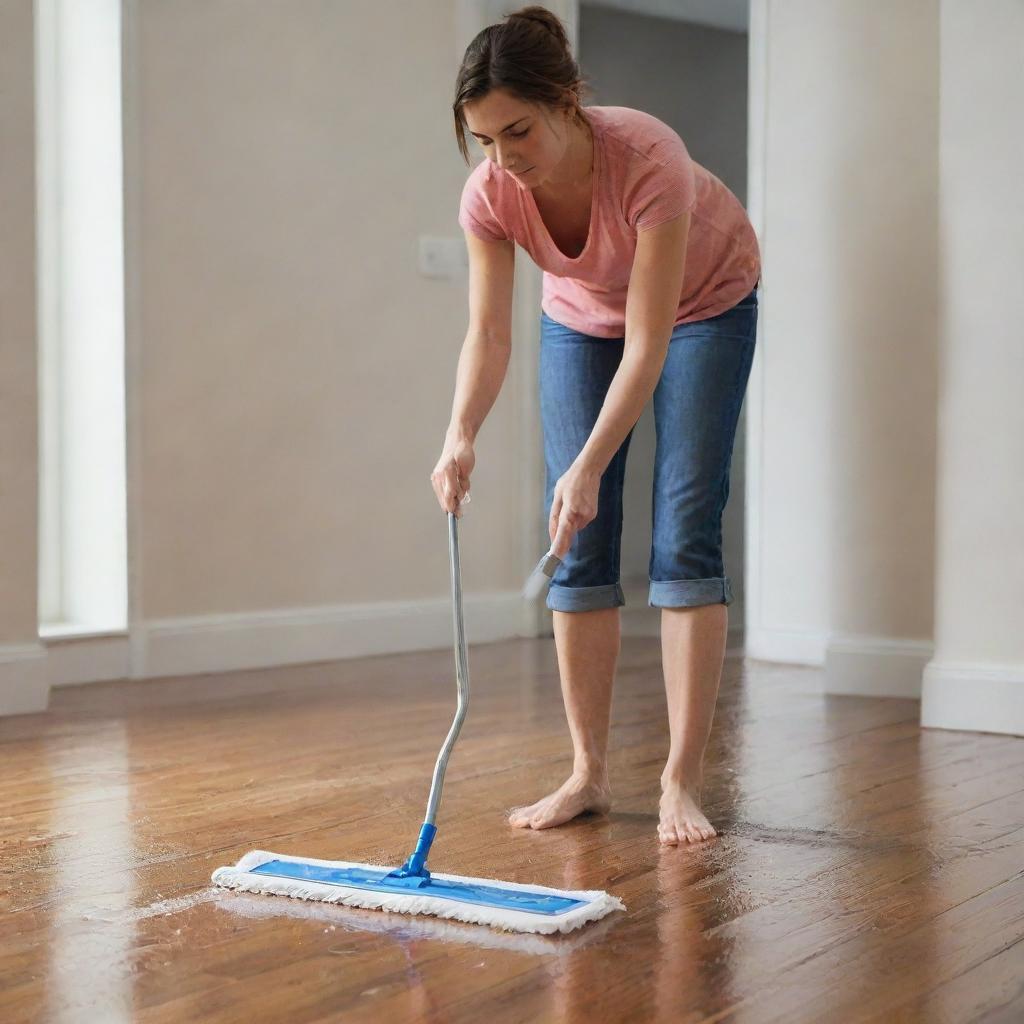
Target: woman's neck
<point>580,158</point>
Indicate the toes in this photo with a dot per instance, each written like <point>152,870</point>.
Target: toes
<point>679,832</point>
<point>517,818</point>
<point>539,817</point>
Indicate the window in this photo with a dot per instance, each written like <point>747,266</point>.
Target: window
<point>80,282</point>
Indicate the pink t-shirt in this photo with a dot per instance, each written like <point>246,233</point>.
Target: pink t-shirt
<point>643,176</point>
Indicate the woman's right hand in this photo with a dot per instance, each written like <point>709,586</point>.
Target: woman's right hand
<point>451,474</point>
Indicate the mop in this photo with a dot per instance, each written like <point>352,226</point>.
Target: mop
<point>412,888</point>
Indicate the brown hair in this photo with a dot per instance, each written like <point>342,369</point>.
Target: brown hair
<point>528,55</point>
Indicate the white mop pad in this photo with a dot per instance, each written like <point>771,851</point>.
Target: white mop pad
<point>573,907</point>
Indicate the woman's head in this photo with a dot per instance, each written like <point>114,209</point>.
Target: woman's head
<point>519,93</point>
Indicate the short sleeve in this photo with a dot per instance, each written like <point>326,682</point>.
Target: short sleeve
<point>664,186</point>
<point>476,211</point>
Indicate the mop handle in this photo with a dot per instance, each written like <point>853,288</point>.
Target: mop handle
<point>414,871</point>
<point>461,671</point>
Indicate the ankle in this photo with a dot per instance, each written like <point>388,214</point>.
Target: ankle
<point>591,769</point>
<point>685,777</point>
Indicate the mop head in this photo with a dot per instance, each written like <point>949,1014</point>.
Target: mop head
<point>504,905</point>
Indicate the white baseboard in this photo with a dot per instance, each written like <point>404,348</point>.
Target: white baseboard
<point>224,643</point>
<point>24,688</point>
<point>973,697</point>
<point>99,658</point>
<point>969,697</point>
<point>787,646</point>
<point>868,666</point>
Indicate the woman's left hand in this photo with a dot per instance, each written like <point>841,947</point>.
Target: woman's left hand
<point>574,506</point>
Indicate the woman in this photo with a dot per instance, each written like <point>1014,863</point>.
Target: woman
<point>651,268</point>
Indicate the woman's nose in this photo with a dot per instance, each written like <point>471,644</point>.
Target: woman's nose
<point>506,160</point>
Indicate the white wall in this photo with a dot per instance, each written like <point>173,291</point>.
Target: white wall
<point>881,392</point>
<point>976,680</point>
<point>842,390</point>
<point>886,439</point>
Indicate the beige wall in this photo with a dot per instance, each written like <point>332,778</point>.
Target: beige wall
<point>290,371</point>
<point>23,685</point>
<point>18,434</point>
<point>297,371</point>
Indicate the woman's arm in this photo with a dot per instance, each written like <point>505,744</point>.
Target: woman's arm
<point>652,299</point>
<point>483,363</point>
<point>484,359</point>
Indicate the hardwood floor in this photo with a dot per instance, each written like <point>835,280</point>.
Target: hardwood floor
<point>866,869</point>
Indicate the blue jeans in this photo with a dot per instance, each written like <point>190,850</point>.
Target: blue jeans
<point>696,407</point>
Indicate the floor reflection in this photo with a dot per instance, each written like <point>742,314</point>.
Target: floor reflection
<point>93,936</point>
<point>404,928</point>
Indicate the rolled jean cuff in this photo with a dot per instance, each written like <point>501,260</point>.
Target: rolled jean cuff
<point>690,593</point>
<point>584,599</point>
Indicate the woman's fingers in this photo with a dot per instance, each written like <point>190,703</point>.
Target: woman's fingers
<point>450,480</point>
<point>462,482</point>
<point>562,540</point>
<point>455,489</point>
<point>556,512</point>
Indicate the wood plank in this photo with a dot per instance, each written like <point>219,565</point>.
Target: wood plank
<point>863,864</point>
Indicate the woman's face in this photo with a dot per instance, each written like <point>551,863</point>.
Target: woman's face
<point>527,141</point>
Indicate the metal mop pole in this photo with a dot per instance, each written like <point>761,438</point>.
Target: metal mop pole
<point>415,866</point>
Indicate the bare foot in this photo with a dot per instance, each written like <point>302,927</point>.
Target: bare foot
<point>577,794</point>
<point>682,820</point>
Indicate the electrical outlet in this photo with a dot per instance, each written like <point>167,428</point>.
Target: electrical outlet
<point>443,257</point>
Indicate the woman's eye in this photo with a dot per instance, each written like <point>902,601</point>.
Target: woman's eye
<point>511,135</point>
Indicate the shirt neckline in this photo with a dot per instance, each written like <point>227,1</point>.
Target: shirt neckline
<point>593,204</point>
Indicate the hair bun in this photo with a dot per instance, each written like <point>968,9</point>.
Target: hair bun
<point>545,18</point>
